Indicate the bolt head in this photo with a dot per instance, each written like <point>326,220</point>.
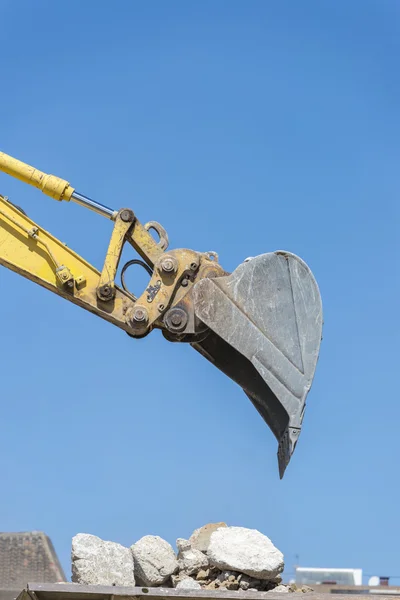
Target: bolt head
<point>176,319</point>
<point>137,318</point>
<point>193,266</point>
<point>169,264</point>
<point>140,315</point>
<point>127,215</point>
<point>106,292</point>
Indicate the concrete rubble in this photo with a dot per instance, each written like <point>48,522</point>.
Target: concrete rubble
<point>188,584</point>
<point>200,538</point>
<point>101,563</point>
<point>216,557</point>
<point>190,560</point>
<point>154,560</point>
<point>245,551</point>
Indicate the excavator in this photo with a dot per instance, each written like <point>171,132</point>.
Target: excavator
<point>261,325</point>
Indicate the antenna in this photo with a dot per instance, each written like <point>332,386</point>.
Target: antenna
<point>374,580</point>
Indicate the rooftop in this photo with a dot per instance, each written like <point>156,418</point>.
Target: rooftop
<point>28,556</point>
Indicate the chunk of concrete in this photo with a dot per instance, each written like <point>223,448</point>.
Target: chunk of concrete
<point>96,562</point>
<point>200,538</point>
<point>245,550</point>
<point>154,560</point>
<point>188,584</point>
<point>203,574</point>
<point>279,589</point>
<point>190,560</point>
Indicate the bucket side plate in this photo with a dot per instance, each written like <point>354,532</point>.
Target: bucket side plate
<point>265,320</point>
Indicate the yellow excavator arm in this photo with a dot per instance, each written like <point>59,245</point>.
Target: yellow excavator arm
<point>31,251</point>
<point>260,325</point>
<point>34,253</point>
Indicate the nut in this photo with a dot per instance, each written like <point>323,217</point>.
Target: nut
<point>140,314</point>
<point>193,266</point>
<point>176,319</point>
<point>106,292</point>
<point>137,318</point>
<point>169,264</point>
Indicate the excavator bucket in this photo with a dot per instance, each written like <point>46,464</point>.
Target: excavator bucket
<point>265,324</point>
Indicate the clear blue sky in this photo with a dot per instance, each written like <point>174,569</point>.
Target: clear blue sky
<point>243,127</point>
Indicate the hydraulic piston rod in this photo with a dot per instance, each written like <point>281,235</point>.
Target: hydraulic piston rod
<point>100,209</point>
<point>52,186</point>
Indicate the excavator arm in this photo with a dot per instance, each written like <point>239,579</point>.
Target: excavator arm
<point>260,325</point>
<point>35,254</point>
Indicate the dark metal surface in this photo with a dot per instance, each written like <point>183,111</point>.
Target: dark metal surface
<point>266,324</point>
<point>176,319</point>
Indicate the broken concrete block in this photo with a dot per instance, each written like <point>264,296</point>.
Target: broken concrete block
<point>154,560</point>
<point>281,589</point>
<point>245,550</point>
<point>188,584</point>
<point>96,562</point>
<point>190,560</point>
<point>203,574</point>
<point>200,538</point>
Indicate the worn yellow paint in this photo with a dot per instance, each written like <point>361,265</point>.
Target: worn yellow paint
<point>144,244</point>
<point>53,186</point>
<point>114,252</point>
<point>35,254</point>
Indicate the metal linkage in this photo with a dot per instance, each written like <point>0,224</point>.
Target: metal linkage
<point>172,275</point>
